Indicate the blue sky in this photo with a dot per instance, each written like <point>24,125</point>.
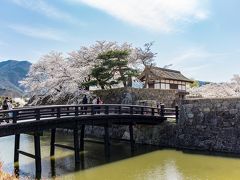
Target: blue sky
<point>201,38</point>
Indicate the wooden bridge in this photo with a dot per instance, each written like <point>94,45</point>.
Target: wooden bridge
<point>34,120</point>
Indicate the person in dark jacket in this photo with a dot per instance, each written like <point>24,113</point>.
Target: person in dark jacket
<point>5,106</point>
<point>85,101</point>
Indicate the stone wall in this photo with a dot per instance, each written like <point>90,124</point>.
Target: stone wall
<point>210,124</point>
<point>116,96</point>
<point>163,135</point>
<point>204,124</point>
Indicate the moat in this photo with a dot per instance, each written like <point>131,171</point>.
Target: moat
<point>149,162</point>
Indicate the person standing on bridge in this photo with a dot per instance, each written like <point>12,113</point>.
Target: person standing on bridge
<point>10,107</point>
<point>99,101</point>
<point>94,101</point>
<point>5,107</point>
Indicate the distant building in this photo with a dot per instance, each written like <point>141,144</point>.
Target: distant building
<point>160,78</point>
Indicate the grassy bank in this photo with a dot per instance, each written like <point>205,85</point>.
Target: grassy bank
<point>5,176</point>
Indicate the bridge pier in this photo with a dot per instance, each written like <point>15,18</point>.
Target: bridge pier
<point>76,145</point>
<point>36,156</point>
<point>52,143</point>
<point>131,137</point>
<point>75,148</point>
<point>37,147</point>
<point>16,148</point>
<point>82,137</point>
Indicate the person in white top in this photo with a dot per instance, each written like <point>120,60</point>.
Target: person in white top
<point>10,107</point>
<point>94,101</point>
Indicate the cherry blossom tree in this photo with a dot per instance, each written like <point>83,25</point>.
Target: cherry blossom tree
<point>55,76</point>
<point>88,56</point>
<point>236,79</point>
<point>218,90</point>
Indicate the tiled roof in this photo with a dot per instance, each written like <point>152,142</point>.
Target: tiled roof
<point>162,73</point>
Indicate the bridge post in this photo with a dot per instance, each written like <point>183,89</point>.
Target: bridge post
<point>177,113</point>
<point>15,114</point>
<point>58,112</point>
<point>76,145</point>
<point>53,110</point>
<point>17,139</point>
<point>68,111</point>
<point>92,110</point>
<point>120,110</point>
<point>131,137</point>
<point>37,147</point>
<point>153,111</point>
<point>77,111</point>
<point>162,110</point>
<point>38,116</point>
<point>52,143</point>
<point>82,137</point>
<point>131,110</point>
<point>106,109</point>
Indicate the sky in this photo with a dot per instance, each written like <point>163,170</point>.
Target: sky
<point>200,38</point>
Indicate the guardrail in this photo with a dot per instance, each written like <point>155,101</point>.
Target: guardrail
<point>58,111</point>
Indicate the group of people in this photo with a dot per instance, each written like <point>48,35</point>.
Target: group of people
<point>7,104</point>
<point>96,100</point>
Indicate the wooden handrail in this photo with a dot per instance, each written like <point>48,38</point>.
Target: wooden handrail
<point>56,111</point>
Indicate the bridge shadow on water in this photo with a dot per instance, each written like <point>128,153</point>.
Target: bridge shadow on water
<point>63,163</point>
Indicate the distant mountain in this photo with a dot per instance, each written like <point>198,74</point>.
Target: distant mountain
<point>11,72</point>
<point>202,83</point>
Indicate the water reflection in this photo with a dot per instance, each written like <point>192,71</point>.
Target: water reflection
<point>147,164</point>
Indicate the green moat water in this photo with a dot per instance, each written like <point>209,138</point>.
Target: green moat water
<point>148,164</point>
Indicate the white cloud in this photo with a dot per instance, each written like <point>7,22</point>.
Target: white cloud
<point>200,63</point>
<point>46,9</point>
<point>40,32</point>
<point>193,55</point>
<point>157,15</point>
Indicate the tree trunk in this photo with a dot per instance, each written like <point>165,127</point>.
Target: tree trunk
<point>122,76</point>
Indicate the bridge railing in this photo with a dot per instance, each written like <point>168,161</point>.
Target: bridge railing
<point>60,111</point>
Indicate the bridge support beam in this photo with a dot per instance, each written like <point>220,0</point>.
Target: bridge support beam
<point>82,138</point>
<point>131,137</point>
<point>36,156</point>
<point>52,144</point>
<point>37,147</point>
<point>75,148</point>
<point>16,148</point>
<point>76,145</point>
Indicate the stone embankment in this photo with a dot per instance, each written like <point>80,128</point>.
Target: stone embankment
<point>210,124</point>
<point>134,95</point>
<point>205,124</point>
